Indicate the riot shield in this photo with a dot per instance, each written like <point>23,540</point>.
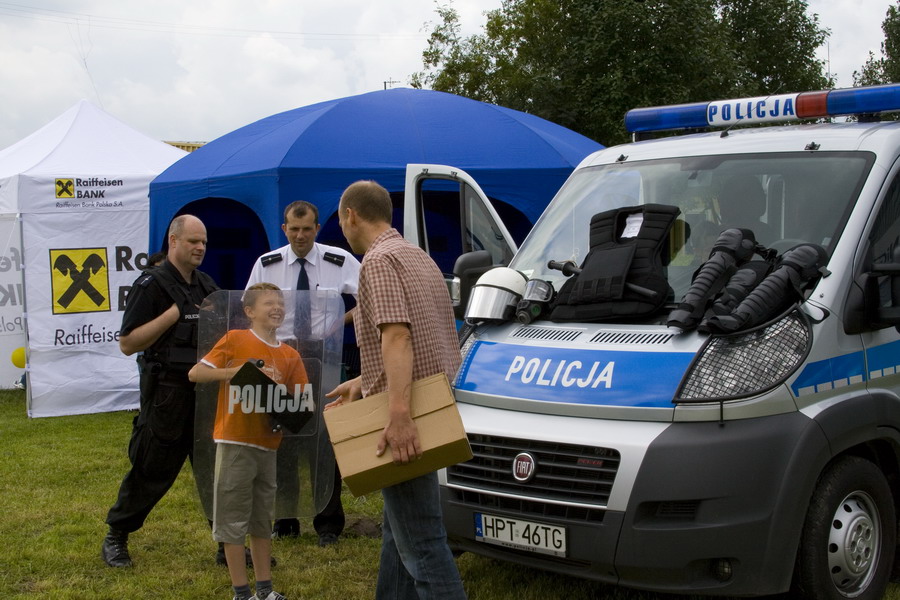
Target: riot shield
<point>273,395</point>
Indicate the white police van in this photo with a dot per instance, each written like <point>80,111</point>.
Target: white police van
<point>647,410</point>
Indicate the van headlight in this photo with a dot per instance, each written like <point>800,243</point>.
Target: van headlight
<point>739,365</point>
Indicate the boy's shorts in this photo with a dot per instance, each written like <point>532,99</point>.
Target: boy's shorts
<point>244,499</point>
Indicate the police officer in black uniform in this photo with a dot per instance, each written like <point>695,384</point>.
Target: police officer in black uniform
<point>160,319</point>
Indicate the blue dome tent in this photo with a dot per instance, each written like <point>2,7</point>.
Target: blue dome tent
<point>240,183</point>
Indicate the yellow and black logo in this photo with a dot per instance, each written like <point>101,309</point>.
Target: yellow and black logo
<point>80,280</point>
<point>65,188</point>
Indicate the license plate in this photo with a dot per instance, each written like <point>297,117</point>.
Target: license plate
<point>520,534</point>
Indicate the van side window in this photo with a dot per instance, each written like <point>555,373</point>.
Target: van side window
<point>885,236</point>
<point>455,221</point>
<point>481,232</point>
<point>886,231</point>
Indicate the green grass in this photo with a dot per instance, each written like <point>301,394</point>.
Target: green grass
<point>58,477</point>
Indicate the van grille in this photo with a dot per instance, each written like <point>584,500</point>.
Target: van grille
<point>546,333</point>
<point>631,337</point>
<point>532,508</point>
<point>565,474</point>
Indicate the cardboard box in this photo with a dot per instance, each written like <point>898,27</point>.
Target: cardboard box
<point>355,428</point>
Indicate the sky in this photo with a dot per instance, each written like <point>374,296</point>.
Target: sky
<point>193,70</point>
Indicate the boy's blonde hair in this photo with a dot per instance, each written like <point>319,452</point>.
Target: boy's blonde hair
<point>255,291</point>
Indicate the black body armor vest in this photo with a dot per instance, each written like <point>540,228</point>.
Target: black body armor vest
<point>177,348</point>
<point>621,276</point>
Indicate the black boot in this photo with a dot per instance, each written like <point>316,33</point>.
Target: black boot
<point>115,549</point>
<point>284,528</point>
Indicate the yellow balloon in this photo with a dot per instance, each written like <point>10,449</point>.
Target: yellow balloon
<point>18,357</point>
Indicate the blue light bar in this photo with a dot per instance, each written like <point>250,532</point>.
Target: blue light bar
<point>864,100</point>
<point>678,116</point>
<point>767,109</point>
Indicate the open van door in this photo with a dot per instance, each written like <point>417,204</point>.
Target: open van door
<point>447,214</point>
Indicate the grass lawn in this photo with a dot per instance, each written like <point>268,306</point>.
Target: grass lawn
<point>58,477</point>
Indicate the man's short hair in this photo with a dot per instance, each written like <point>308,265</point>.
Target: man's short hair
<point>299,209</point>
<point>252,293</point>
<point>177,225</point>
<point>369,200</point>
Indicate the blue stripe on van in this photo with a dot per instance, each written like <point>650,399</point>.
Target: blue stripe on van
<point>848,369</point>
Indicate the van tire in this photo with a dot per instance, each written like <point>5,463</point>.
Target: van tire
<point>849,536</point>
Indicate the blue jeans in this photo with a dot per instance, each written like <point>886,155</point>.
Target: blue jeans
<point>416,562</point>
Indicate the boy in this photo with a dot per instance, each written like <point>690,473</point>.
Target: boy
<point>245,441</point>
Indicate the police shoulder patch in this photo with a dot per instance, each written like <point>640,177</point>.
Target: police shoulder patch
<point>269,259</point>
<point>334,258</point>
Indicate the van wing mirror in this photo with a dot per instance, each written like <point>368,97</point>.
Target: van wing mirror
<point>867,304</point>
<point>889,315</point>
<point>466,271</point>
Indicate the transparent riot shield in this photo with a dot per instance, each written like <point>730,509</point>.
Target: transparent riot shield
<point>279,353</point>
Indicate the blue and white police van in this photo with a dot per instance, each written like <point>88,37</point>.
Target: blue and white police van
<point>686,379</point>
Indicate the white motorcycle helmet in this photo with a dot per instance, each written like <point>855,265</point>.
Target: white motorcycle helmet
<point>495,295</point>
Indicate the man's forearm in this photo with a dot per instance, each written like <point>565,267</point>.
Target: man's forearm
<point>143,337</point>
<point>397,356</point>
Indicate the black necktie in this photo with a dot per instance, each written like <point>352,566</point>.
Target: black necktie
<point>301,319</point>
<point>303,279</point>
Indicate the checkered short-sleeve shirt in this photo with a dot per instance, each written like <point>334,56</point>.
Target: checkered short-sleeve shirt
<point>399,283</point>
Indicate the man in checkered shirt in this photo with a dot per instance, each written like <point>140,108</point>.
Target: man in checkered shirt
<point>406,331</point>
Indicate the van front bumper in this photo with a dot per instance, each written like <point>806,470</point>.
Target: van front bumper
<point>715,509</point>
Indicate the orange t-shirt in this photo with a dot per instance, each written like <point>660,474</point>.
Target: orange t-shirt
<point>243,422</point>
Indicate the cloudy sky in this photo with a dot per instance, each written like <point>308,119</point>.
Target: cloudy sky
<point>193,70</point>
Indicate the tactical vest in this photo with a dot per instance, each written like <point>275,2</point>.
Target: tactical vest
<point>621,276</point>
<point>177,347</point>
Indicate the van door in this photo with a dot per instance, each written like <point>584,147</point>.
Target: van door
<point>882,344</point>
<point>447,214</point>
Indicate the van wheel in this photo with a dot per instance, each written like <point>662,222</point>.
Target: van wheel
<point>847,545</point>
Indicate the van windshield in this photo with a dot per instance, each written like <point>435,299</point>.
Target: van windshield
<point>784,198</point>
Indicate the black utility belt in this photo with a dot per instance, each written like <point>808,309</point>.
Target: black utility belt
<point>163,372</point>
<point>173,377</point>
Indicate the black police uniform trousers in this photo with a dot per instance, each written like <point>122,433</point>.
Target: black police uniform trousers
<point>331,519</point>
<point>161,438</point>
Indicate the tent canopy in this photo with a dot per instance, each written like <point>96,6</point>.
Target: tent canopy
<point>312,153</point>
<point>84,141</point>
<point>77,191</point>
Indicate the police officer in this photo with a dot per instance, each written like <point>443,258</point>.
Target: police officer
<point>160,319</point>
<point>306,264</point>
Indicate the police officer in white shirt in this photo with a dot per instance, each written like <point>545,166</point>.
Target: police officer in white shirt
<point>327,267</point>
<point>324,268</point>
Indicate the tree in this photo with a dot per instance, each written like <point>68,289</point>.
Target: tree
<point>452,63</point>
<point>886,68</point>
<point>584,63</point>
<point>774,44</point>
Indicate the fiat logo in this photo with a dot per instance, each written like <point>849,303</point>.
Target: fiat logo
<point>523,467</point>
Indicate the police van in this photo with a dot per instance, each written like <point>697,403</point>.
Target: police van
<point>686,379</point>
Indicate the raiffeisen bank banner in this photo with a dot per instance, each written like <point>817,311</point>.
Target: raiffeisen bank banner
<point>84,244</point>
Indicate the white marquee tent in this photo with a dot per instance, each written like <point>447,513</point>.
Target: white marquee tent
<point>74,219</point>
